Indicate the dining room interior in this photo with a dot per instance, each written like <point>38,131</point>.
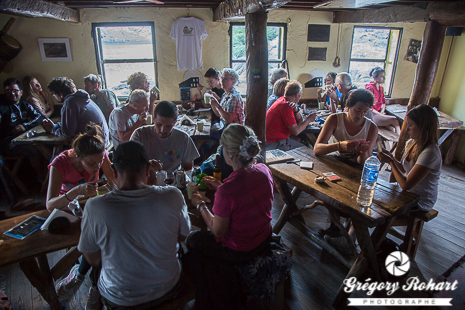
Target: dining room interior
<point>418,43</point>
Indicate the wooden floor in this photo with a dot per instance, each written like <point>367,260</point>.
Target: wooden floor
<point>316,276</point>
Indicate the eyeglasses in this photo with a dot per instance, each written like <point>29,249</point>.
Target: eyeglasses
<point>12,91</point>
<point>226,78</point>
<point>210,81</point>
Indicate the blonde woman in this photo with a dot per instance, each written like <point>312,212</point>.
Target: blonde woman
<point>36,96</point>
<point>240,225</point>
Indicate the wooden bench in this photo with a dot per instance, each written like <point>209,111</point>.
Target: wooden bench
<point>414,222</point>
<point>387,135</point>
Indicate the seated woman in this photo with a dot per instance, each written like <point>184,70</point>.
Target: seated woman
<point>330,83</point>
<point>420,166</point>
<point>353,136</point>
<point>378,109</point>
<point>36,96</point>
<point>240,225</point>
<point>278,91</point>
<point>350,134</point>
<point>73,174</point>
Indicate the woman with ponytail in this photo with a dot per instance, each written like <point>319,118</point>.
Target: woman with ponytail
<point>74,173</point>
<point>240,225</point>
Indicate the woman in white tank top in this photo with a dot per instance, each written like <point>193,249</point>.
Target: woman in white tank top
<point>350,134</point>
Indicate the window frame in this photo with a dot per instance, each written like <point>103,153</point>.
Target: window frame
<point>232,24</point>
<point>394,67</point>
<point>99,54</point>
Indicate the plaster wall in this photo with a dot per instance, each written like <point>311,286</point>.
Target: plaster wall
<point>215,46</point>
<point>452,92</point>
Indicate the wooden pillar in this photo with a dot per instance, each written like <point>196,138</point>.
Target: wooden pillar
<point>257,73</point>
<point>431,46</point>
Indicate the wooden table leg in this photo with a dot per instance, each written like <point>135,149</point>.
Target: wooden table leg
<point>366,258</point>
<point>38,273</point>
<point>452,148</point>
<point>290,204</point>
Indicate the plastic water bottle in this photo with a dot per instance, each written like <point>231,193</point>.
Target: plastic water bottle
<point>75,208</point>
<point>368,181</point>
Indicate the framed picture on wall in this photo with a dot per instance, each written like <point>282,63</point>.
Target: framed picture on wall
<point>55,49</point>
<point>413,51</point>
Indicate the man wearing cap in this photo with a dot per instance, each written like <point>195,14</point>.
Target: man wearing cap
<point>134,232</point>
<point>170,146</point>
<point>126,119</point>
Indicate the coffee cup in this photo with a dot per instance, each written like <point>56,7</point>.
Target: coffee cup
<point>200,126</point>
<point>191,189</point>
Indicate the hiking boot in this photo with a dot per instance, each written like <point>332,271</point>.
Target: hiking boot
<point>340,244</point>
<point>93,299</point>
<point>72,282</point>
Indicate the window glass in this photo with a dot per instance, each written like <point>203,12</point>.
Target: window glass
<point>374,47</point>
<point>276,37</point>
<point>122,50</point>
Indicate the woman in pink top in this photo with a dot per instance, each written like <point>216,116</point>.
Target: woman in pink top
<point>73,174</point>
<point>379,117</point>
<point>240,225</point>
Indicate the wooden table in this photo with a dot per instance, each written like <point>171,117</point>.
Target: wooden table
<point>191,130</point>
<point>31,254</point>
<point>446,122</point>
<point>41,139</point>
<point>340,199</point>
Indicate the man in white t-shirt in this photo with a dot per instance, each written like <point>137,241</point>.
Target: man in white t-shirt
<point>127,118</point>
<point>170,146</point>
<point>133,232</point>
<point>104,98</point>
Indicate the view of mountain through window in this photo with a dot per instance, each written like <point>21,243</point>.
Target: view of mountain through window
<point>276,36</point>
<point>374,47</point>
<point>122,50</point>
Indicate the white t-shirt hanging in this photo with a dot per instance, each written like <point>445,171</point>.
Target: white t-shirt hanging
<point>188,32</point>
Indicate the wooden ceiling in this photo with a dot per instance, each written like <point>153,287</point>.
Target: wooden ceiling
<point>306,5</point>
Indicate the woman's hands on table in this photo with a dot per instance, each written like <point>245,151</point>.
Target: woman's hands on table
<point>385,156</point>
<point>47,124</point>
<point>198,197</point>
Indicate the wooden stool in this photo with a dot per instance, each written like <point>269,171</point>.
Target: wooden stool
<point>414,222</point>
<point>13,172</point>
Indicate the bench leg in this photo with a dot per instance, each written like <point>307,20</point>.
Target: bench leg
<point>412,234</point>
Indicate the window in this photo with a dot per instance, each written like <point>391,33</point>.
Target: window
<point>276,36</point>
<point>374,47</point>
<point>123,49</point>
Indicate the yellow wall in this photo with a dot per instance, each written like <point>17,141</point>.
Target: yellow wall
<point>452,92</point>
<point>215,46</point>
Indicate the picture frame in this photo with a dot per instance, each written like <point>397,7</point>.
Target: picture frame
<point>55,49</point>
<point>413,51</point>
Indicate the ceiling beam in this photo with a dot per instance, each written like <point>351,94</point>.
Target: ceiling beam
<point>38,8</point>
<point>233,9</point>
<point>448,14</point>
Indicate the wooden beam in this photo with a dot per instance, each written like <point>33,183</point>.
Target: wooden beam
<point>257,73</point>
<point>234,9</point>
<point>431,47</point>
<point>38,8</point>
<point>449,14</point>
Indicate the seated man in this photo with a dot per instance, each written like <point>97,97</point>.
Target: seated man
<point>140,267</point>
<point>104,98</point>
<point>283,118</point>
<point>344,85</point>
<point>170,146</point>
<point>127,118</point>
<point>17,116</point>
<point>140,80</point>
<point>78,110</point>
